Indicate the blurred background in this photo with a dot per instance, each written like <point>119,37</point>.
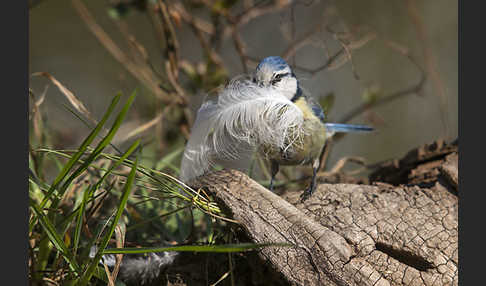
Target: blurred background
<point>363,56</point>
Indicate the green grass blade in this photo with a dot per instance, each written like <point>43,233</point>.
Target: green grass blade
<point>104,142</point>
<point>196,248</point>
<point>54,237</point>
<point>70,164</point>
<point>88,193</point>
<point>75,212</point>
<point>120,161</point>
<point>42,258</point>
<point>35,191</point>
<point>79,220</point>
<point>101,274</point>
<point>66,221</point>
<point>89,125</point>
<point>167,182</point>
<point>167,160</point>
<point>104,243</point>
<point>134,226</point>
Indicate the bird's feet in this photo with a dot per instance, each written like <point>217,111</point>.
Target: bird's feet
<point>271,186</point>
<point>307,193</point>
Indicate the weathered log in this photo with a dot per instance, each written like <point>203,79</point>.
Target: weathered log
<point>348,234</point>
<point>419,166</point>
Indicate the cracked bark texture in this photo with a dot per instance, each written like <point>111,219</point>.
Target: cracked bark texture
<point>348,234</point>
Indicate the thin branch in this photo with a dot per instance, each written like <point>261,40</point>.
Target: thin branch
<point>198,23</point>
<point>173,81</point>
<point>414,89</point>
<point>143,74</point>
<point>303,40</point>
<point>240,48</point>
<point>337,168</point>
<point>75,102</point>
<point>249,5</point>
<point>330,61</point>
<point>140,55</point>
<point>257,11</point>
<point>326,150</point>
<point>209,51</point>
<point>172,45</point>
<point>430,63</point>
<point>347,50</point>
<point>244,18</point>
<point>342,56</point>
<point>383,100</point>
<point>142,128</point>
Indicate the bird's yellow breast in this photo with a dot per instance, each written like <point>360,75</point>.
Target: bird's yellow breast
<point>309,115</point>
<point>310,145</point>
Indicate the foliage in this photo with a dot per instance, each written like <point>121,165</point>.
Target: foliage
<point>97,192</point>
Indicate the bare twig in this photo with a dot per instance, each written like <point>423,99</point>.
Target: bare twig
<point>120,231</point>
<point>172,45</point>
<point>326,150</point>
<point>244,18</point>
<point>42,97</point>
<point>348,57</point>
<point>36,116</point>
<point>139,53</point>
<point>141,128</point>
<point>303,40</point>
<point>51,281</point>
<point>383,100</point>
<point>337,168</point>
<point>198,23</point>
<point>108,274</point>
<point>340,57</point>
<point>199,27</point>
<point>75,102</point>
<point>240,48</point>
<point>414,89</point>
<point>173,81</point>
<point>342,162</point>
<point>258,11</point>
<point>215,58</point>
<point>430,63</point>
<point>142,73</point>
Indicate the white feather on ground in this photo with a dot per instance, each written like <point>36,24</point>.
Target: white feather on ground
<point>231,126</point>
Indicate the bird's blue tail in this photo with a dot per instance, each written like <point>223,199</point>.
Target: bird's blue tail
<point>340,127</point>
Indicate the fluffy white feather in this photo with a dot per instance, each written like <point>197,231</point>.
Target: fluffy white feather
<point>231,126</point>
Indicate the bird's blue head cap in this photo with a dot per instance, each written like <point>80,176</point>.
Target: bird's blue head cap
<point>274,62</point>
<point>270,67</point>
<point>275,72</point>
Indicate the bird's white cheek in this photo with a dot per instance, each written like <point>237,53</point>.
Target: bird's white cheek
<point>288,88</point>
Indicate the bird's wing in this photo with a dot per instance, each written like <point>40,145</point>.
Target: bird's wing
<point>316,108</point>
<point>231,126</point>
<point>332,128</point>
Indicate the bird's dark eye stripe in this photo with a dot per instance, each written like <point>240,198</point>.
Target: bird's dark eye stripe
<point>281,75</point>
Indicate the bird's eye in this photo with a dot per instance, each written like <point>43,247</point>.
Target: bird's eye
<point>278,77</point>
<point>275,80</point>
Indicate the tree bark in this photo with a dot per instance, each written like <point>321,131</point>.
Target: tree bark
<point>387,233</point>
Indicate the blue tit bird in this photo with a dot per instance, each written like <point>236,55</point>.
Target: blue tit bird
<point>275,72</point>
<point>266,112</point>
